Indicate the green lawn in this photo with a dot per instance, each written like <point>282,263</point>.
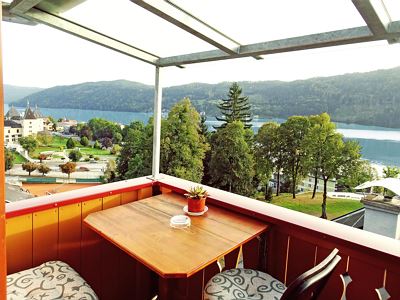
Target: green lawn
<point>93,151</point>
<point>59,142</point>
<point>304,203</point>
<point>18,158</point>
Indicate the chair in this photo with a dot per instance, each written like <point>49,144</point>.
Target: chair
<point>50,280</point>
<point>252,284</point>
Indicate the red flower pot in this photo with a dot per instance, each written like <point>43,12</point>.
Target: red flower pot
<point>196,205</point>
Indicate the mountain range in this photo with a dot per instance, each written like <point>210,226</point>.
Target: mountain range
<point>371,98</point>
<point>13,93</point>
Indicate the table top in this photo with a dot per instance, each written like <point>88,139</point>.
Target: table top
<point>142,230</point>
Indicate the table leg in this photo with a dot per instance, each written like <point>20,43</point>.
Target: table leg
<point>181,288</point>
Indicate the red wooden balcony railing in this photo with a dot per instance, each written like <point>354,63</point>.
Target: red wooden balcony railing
<point>50,227</point>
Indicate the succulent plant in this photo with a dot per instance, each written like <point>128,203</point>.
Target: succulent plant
<point>196,192</point>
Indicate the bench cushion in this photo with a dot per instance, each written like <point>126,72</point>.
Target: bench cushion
<point>51,280</point>
<point>243,284</point>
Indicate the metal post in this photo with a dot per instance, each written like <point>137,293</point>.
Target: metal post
<point>157,125</point>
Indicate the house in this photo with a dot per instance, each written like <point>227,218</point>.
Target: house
<point>17,125</point>
<point>307,184</point>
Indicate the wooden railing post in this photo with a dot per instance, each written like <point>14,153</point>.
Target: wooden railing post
<point>3,266</point>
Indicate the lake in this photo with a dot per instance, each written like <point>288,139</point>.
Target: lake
<point>379,145</point>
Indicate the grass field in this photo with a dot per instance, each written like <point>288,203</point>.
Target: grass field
<point>60,142</point>
<point>304,203</point>
<point>93,151</point>
<point>18,158</point>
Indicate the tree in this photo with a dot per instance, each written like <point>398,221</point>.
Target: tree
<point>203,127</point>
<point>135,157</point>
<point>115,149</point>
<point>29,143</point>
<point>84,141</point>
<point>85,131</point>
<point>110,173</point>
<point>75,155</point>
<point>269,154</point>
<point>45,138</point>
<point>70,143</point>
<point>362,172</point>
<point>102,128</point>
<point>44,169</point>
<point>106,142</point>
<point>182,147</point>
<point>117,139</point>
<point>29,167</point>
<point>293,132</point>
<point>96,145</point>
<point>8,159</point>
<point>235,108</point>
<point>321,129</point>
<point>42,157</point>
<point>391,172</point>
<point>338,159</point>
<point>68,168</point>
<point>232,162</point>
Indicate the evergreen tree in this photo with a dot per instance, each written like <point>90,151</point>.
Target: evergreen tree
<point>232,162</point>
<point>182,146</point>
<point>235,108</point>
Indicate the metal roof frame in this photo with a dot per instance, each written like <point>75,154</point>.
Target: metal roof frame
<point>379,27</point>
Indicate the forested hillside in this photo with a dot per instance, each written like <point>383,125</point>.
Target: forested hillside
<point>371,98</point>
<point>13,93</point>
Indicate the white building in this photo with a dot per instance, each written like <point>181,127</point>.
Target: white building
<point>12,131</point>
<point>308,184</point>
<point>16,125</point>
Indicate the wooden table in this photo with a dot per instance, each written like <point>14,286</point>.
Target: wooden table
<point>142,230</point>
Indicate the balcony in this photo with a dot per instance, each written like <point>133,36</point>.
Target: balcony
<point>51,228</point>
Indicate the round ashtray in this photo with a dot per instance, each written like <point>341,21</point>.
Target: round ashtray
<point>179,221</point>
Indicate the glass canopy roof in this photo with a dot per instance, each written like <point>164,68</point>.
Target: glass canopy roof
<point>179,32</point>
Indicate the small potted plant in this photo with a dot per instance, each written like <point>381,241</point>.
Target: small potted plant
<point>196,199</point>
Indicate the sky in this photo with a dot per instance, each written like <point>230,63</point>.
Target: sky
<point>40,56</point>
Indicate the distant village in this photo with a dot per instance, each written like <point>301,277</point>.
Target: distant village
<point>30,122</point>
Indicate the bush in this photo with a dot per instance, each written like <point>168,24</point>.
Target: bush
<point>70,143</point>
<point>115,149</point>
<point>84,141</point>
<point>75,155</point>
<point>97,145</point>
<point>96,158</point>
<point>87,159</point>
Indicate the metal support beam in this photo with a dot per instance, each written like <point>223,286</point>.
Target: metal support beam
<point>186,21</point>
<point>22,6</point>
<point>319,40</point>
<point>88,34</point>
<point>157,125</point>
<point>374,14</point>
